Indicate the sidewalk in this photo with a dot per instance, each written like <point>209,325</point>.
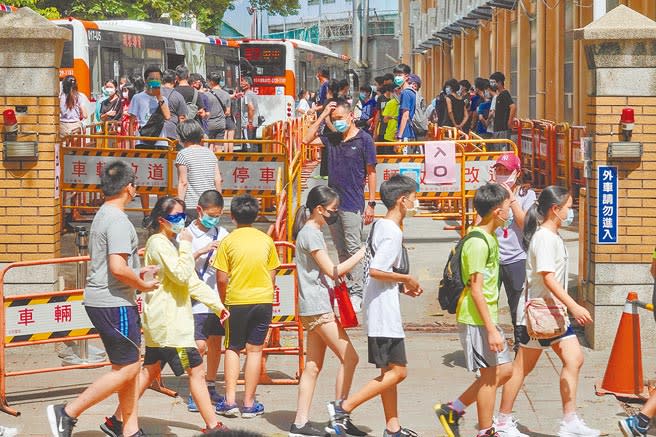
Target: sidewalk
<point>435,374</point>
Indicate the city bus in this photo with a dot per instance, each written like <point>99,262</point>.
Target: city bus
<point>102,50</point>
<point>281,68</point>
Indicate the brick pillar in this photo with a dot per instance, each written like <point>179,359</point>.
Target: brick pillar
<point>621,56</point>
<point>30,53</point>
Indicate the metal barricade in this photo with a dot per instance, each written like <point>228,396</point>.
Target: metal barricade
<point>286,320</point>
<point>577,174</point>
<point>445,202</point>
<point>563,162</point>
<point>19,326</point>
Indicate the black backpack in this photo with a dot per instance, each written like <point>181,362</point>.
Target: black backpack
<point>451,285</point>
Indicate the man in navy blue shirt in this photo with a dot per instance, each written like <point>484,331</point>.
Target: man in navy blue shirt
<point>349,163</point>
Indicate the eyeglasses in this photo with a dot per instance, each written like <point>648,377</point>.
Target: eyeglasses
<point>173,218</point>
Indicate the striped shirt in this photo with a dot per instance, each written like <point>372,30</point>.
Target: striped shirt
<point>201,166</point>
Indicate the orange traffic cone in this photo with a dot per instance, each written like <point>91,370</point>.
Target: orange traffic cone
<point>623,377</point>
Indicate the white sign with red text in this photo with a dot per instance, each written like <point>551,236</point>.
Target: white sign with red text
<point>151,172</point>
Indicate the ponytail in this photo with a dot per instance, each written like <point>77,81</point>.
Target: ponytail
<point>320,195</point>
<point>537,213</point>
<point>531,222</point>
<point>300,218</point>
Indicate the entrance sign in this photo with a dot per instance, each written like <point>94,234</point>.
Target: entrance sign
<point>440,166</point>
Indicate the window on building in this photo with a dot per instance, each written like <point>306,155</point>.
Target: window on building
<point>569,63</point>
<point>612,4</point>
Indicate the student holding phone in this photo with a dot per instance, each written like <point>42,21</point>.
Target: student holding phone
<point>507,173</point>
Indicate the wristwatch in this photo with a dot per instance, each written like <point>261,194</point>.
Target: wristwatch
<point>372,204</point>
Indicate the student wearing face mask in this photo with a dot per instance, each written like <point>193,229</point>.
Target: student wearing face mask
<point>316,273</point>
<point>512,256</point>
<point>349,162</point>
<point>456,108</point>
<point>197,166</point>
<point>547,277</point>
<point>111,109</point>
<point>207,233</point>
<point>168,323</point>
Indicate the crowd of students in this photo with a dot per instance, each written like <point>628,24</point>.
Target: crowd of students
<point>216,285</point>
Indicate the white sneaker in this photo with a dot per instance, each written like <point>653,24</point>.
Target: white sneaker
<point>508,429</point>
<point>8,432</point>
<point>577,428</point>
<point>356,301</point>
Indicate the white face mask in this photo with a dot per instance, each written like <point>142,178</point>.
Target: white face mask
<point>415,208</point>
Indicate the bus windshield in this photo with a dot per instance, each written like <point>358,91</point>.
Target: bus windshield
<point>266,59</point>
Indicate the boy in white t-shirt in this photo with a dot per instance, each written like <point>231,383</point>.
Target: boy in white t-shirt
<point>208,331</point>
<point>387,278</point>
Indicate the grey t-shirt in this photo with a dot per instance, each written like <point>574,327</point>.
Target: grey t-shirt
<point>313,285</point>
<point>249,98</point>
<point>178,108</point>
<point>142,106</point>
<point>510,240</point>
<point>111,233</point>
<point>217,120</point>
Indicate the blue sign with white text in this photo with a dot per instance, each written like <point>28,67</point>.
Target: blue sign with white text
<point>607,183</point>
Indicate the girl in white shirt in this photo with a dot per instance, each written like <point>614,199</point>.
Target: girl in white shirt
<point>546,277</point>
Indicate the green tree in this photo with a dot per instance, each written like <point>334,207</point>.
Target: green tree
<point>208,13</point>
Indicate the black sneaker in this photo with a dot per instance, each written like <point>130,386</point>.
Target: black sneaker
<point>61,424</point>
<point>112,427</point>
<point>305,430</point>
<point>449,419</point>
<point>340,421</point>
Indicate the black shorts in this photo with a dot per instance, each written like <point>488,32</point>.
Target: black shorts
<point>206,324</point>
<point>179,359</point>
<point>216,134</point>
<point>230,124</point>
<point>120,331</point>
<point>247,324</point>
<point>384,351</point>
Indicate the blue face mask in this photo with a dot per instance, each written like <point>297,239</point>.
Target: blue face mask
<point>341,125</point>
<point>447,90</point>
<point>398,80</point>
<point>209,222</point>
<point>570,218</point>
<point>363,96</point>
<point>177,227</point>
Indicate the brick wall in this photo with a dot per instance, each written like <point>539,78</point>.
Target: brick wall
<point>637,178</point>
<point>29,213</point>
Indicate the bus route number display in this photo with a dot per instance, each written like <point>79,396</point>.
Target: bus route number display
<point>263,54</point>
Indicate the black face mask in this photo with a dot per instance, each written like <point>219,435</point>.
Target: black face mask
<point>332,217</point>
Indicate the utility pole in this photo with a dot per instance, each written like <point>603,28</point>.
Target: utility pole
<point>360,17</point>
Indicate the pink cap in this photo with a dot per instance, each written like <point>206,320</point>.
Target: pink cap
<point>510,161</point>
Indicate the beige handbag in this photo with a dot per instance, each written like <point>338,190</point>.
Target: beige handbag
<point>545,318</point>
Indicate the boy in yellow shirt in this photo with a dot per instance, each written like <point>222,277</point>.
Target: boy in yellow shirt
<point>245,263</point>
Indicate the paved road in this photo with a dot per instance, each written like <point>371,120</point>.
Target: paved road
<point>435,373</point>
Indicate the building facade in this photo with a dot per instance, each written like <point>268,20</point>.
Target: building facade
<point>530,41</point>
<point>334,19</point>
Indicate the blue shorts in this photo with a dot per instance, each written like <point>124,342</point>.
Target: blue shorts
<point>120,331</point>
<point>546,343</point>
<point>206,324</point>
<point>247,324</point>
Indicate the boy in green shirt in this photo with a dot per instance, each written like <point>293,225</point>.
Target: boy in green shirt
<point>477,314</point>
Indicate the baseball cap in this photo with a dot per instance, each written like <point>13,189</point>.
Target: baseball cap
<point>413,78</point>
<point>509,161</point>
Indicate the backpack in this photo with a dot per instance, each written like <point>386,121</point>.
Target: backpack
<point>451,285</point>
<point>420,119</point>
<point>192,107</point>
